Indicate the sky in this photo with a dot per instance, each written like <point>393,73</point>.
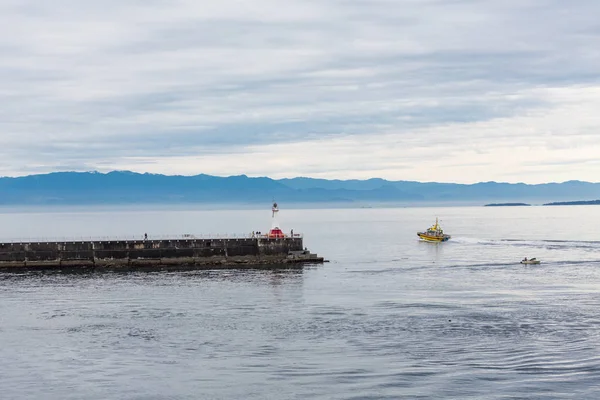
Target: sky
<point>430,90</point>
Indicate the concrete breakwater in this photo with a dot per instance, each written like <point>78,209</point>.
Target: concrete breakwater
<point>206,253</point>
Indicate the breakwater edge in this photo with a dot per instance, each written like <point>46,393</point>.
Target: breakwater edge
<point>270,250</point>
<point>192,253</point>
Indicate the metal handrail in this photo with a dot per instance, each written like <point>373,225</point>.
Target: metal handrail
<point>141,238</point>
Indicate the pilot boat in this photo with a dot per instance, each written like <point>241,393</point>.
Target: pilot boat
<point>435,233</point>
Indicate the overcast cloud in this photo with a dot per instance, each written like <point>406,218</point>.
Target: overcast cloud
<point>430,90</point>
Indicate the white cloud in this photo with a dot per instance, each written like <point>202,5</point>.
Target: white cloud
<point>482,90</point>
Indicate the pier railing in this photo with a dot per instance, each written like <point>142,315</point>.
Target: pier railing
<point>141,238</point>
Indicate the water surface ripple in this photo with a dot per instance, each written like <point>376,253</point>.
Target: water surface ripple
<point>388,318</point>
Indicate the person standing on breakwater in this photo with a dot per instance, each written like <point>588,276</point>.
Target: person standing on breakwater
<point>292,232</point>
<point>145,236</point>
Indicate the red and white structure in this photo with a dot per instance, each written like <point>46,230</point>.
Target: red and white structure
<point>275,232</point>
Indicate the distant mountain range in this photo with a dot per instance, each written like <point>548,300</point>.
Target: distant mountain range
<point>508,205</point>
<point>575,203</point>
<point>123,187</point>
<point>557,203</point>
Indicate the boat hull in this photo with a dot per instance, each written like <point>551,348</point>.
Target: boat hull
<point>530,262</point>
<point>429,238</point>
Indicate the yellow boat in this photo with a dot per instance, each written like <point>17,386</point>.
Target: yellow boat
<point>434,234</point>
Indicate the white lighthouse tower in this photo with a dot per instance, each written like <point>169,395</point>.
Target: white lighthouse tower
<point>275,232</point>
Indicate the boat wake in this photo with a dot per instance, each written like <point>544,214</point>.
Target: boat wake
<point>540,244</point>
<point>544,264</point>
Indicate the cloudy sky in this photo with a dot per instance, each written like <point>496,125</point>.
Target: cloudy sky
<point>430,90</point>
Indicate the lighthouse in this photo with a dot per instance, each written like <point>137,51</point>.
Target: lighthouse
<point>275,232</point>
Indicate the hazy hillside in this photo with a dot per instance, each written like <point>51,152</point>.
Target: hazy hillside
<point>452,191</point>
<point>129,187</point>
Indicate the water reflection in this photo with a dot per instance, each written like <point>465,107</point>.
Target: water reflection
<point>270,276</point>
<point>434,250</point>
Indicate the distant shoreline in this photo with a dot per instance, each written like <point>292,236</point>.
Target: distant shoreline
<point>574,203</point>
<point>506,205</point>
<point>125,187</point>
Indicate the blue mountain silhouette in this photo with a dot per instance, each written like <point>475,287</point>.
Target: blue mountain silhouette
<point>128,187</point>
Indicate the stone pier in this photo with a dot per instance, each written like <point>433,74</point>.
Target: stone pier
<point>188,253</point>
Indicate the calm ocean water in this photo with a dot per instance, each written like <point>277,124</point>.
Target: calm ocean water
<point>389,317</point>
